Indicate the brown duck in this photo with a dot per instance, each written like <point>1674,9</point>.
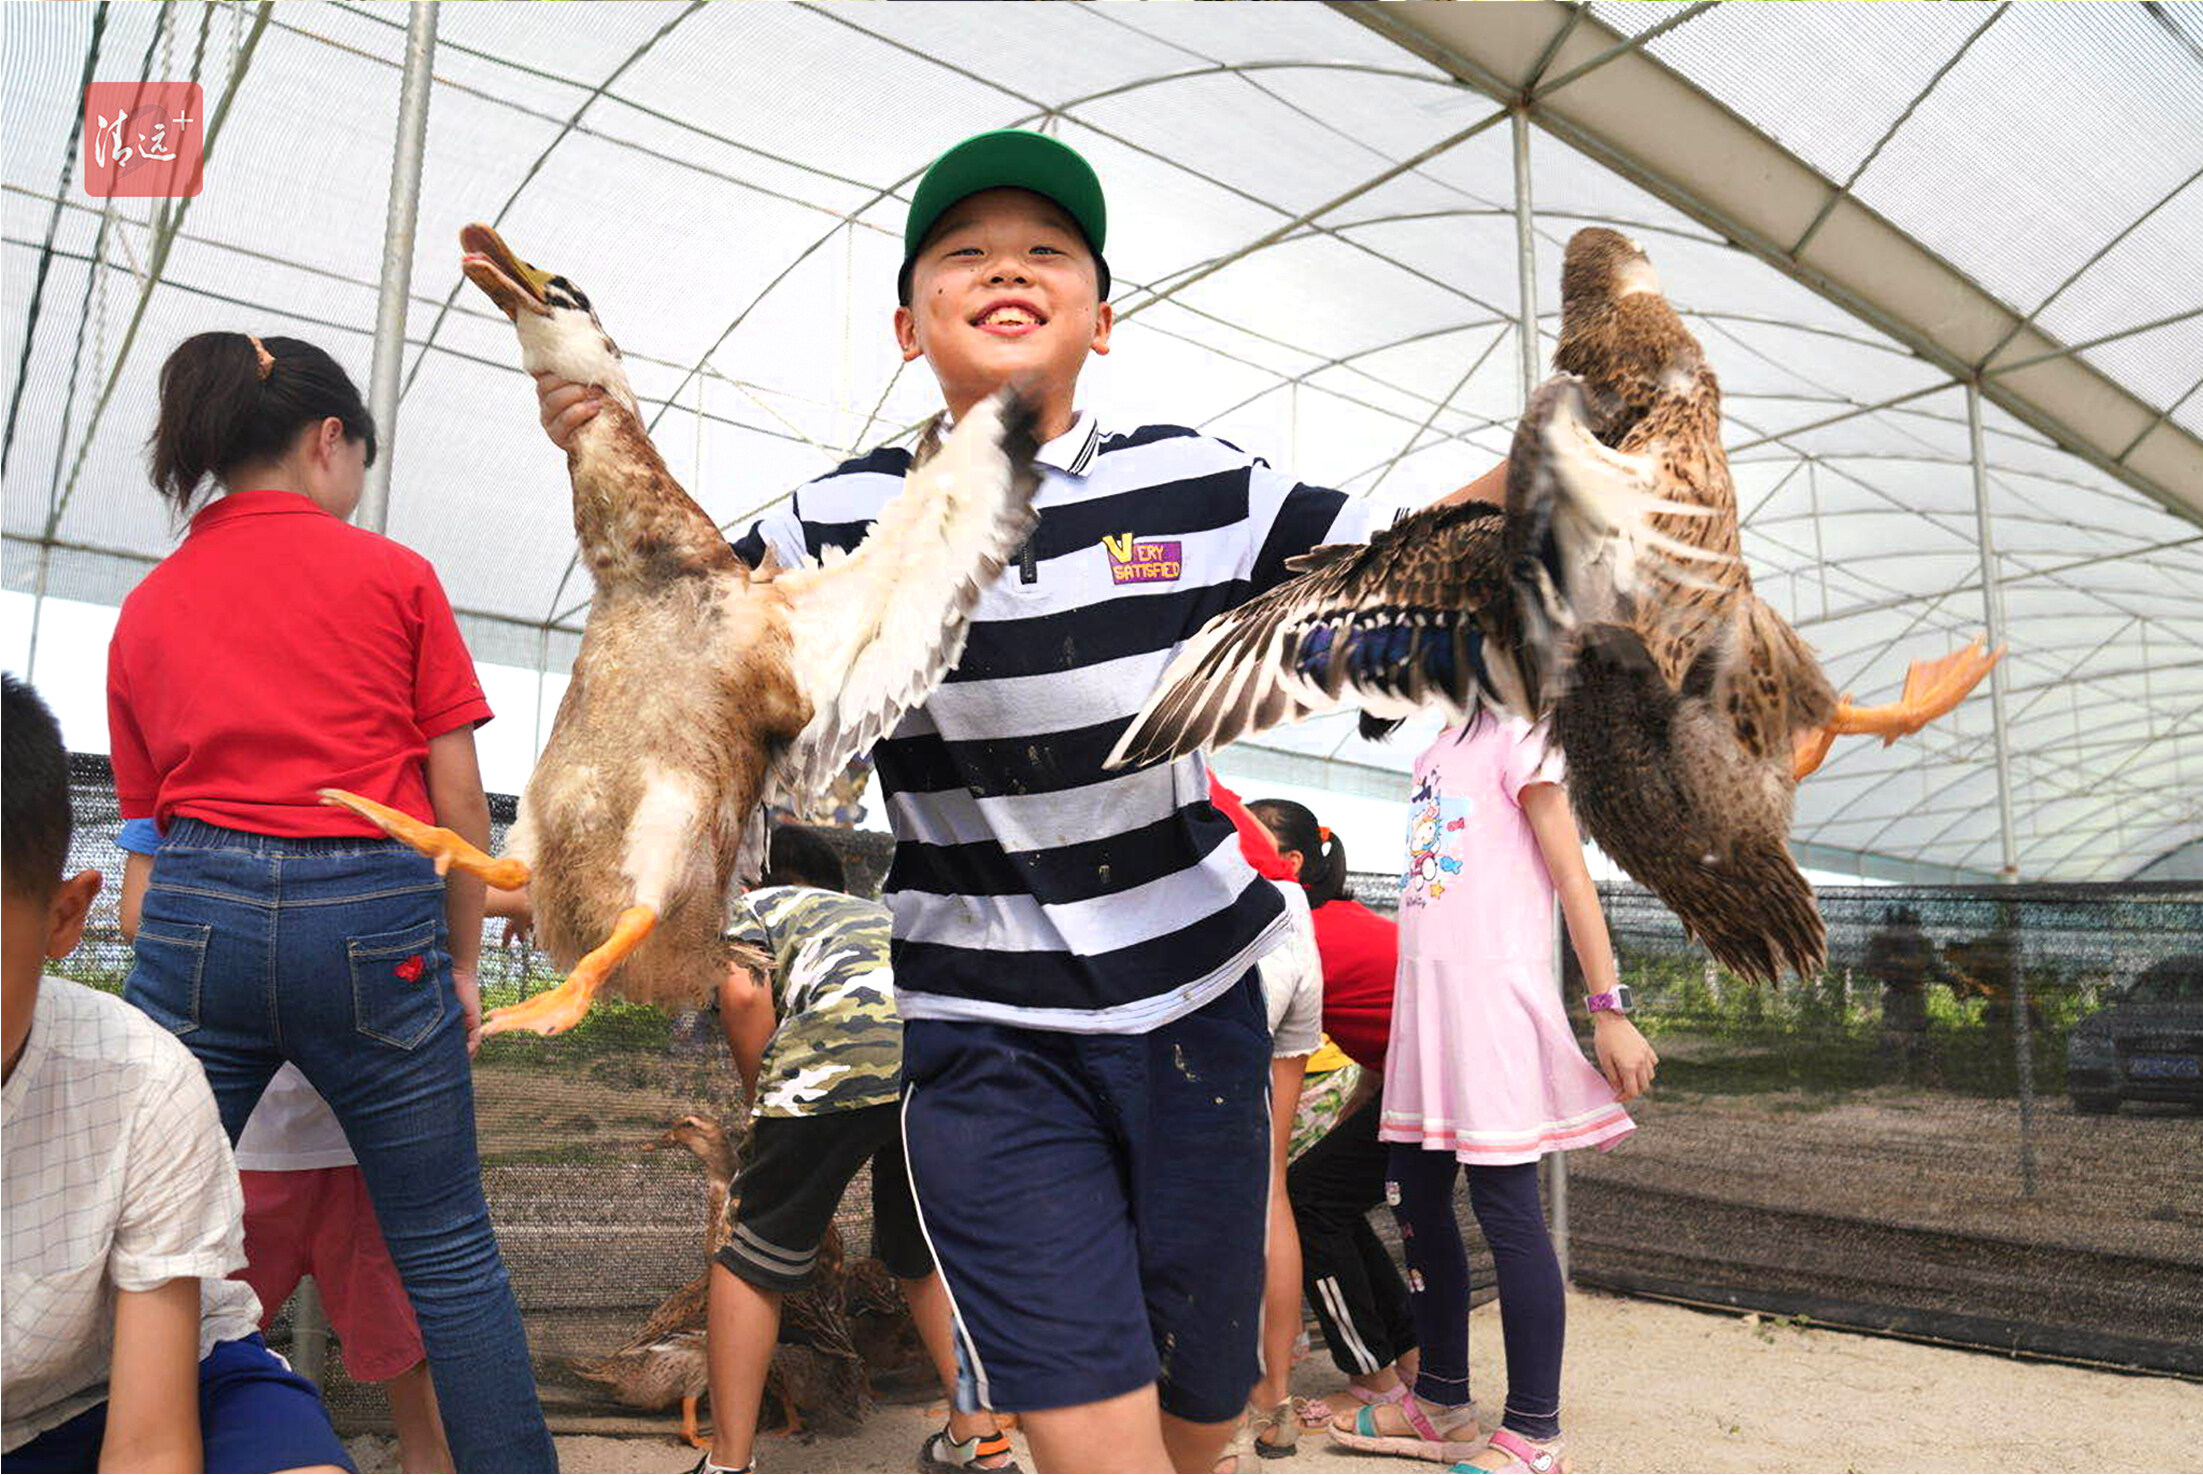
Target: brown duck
<point>666,1360</point>
<point>704,686</point>
<point>1608,594</point>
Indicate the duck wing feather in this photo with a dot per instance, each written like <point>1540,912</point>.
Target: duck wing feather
<point>874,631</point>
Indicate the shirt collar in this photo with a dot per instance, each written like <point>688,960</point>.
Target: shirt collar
<point>1073,451</point>
<point>252,504</point>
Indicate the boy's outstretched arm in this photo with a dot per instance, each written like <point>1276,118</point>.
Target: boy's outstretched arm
<point>1626,1058</point>
<point>1490,487</point>
<point>153,1382</point>
<point>746,1015</point>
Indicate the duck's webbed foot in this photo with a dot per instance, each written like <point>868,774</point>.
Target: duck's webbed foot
<point>1932,688</point>
<point>563,1007</point>
<point>690,1431</point>
<point>448,849</point>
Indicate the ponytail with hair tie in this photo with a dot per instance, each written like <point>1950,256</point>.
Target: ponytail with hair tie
<point>221,414</point>
<point>1322,855</point>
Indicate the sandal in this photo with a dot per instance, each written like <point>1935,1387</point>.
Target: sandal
<point>1523,1457</point>
<point>943,1453</point>
<point>1314,1413</point>
<point>1276,1433</point>
<point>1426,1442</point>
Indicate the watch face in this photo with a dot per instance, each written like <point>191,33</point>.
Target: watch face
<point>1625,998</point>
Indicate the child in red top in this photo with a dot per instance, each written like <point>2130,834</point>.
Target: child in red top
<point>1360,1299</point>
<point>276,652</point>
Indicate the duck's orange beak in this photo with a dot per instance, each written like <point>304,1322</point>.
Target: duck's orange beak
<point>511,283</point>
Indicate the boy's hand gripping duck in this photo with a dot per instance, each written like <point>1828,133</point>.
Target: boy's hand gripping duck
<point>703,685</point>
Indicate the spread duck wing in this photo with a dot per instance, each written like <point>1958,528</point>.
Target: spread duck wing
<point>1452,608</point>
<point>1392,621</point>
<point>874,631</point>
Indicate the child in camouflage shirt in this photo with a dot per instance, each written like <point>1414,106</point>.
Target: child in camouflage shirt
<point>820,1050</point>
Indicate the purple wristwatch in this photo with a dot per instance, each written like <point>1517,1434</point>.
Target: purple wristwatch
<point>1620,1000</point>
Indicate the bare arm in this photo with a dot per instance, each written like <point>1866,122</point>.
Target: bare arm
<point>153,1381</point>
<point>137,873</point>
<point>746,1015</point>
<point>1625,1057</point>
<point>455,794</point>
<point>1490,487</point>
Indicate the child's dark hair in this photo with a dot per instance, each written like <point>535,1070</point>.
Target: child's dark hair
<point>229,400</point>
<point>34,794</point>
<point>1322,854</point>
<point>796,855</point>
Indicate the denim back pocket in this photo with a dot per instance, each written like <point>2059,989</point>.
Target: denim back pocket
<point>397,984</point>
<point>171,965</point>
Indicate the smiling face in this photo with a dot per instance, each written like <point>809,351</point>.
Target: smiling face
<point>1005,288</point>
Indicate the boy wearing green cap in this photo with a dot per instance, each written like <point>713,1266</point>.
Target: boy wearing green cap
<point>1086,1051</point>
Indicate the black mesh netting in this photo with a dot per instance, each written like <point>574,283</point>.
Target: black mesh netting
<point>1872,1147</point>
<point>1979,1125</point>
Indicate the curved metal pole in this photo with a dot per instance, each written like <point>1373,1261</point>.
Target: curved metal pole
<point>397,256</point>
<point>1992,608</point>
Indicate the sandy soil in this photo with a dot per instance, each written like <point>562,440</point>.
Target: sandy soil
<point>1659,1388</point>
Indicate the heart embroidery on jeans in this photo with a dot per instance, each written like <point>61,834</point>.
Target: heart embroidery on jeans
<point>410,969</point>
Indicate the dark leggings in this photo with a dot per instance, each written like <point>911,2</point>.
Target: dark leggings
<point>1532,1303</point>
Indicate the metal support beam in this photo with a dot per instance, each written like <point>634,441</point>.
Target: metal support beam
<point>1526,257</point>
<point>1992,610</point>
<point>1526,332</point>
<point>397,256</point>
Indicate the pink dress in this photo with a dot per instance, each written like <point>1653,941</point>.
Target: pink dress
<point>1481,1060</point>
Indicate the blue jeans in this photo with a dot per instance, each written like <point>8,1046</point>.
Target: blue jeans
<point>332,954</point>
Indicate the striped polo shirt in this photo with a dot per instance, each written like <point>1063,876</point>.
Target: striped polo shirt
<point>1031,886</point>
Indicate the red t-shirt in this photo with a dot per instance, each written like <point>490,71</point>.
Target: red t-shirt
<point>1361,953</point>
<point>277,652</point>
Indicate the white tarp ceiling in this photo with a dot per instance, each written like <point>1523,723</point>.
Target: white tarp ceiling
<point>728,181</point>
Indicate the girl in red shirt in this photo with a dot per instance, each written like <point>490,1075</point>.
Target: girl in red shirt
<point>277,651</point>
<point>1359,1296</point>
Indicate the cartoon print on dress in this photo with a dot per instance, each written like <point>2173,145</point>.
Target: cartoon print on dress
<point>1437,836</point>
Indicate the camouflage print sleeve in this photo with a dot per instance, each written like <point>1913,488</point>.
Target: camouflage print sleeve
<point>745,925</point>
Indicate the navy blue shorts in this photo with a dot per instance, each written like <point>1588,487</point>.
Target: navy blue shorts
<point>1097,1204</point>
<point>254,1414</point>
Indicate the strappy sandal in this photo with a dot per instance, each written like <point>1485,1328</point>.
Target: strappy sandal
<point>1523,1457</point>
<point>1314,1413</point>
<point>942,1452</point>
<point>1427,1442</point>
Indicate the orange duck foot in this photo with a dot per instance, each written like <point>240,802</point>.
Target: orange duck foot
<point>1932,688</point>
<point>689,1429</point>
<point>434,841</point>
<point>562,1008</point>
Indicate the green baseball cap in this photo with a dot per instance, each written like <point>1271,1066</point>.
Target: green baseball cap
<point>1008,158</point>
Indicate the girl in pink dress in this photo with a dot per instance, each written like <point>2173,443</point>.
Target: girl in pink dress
<point>1484,1071</point>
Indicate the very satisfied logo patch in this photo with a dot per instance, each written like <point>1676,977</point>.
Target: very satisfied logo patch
<point>1135,560</point>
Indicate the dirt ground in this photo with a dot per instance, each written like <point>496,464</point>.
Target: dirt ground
<point>1660,1388</point>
